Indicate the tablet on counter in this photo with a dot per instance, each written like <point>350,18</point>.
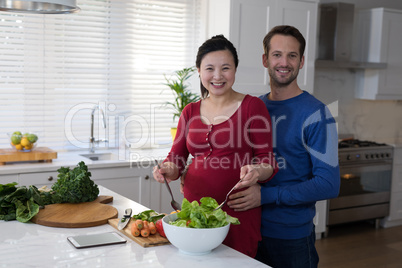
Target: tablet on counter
<point>94,240</point>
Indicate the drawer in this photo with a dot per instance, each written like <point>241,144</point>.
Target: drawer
<point>38,178</point>
<point>4,179</point>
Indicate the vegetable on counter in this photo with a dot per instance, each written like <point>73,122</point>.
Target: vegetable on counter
<point>195,215</point>
<point>139,224</point>
<point>159,228</point>
<point>142,228</point>
<point>145,229</point>
<point>148,215</point>
<point>75,186</point>
<point>152,227</point>
<point>134,230</point>
<point>146,223</point>
<point>23,203</point>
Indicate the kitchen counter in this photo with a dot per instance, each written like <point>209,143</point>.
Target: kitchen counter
<point>72,158</point>
<point>32,245</point>
<point>125,171</point>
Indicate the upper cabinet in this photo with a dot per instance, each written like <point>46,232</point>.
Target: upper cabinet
<point>380,40</point>
<point>302,15</point>
<point>246,22</point>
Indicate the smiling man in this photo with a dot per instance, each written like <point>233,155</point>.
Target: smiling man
<point>283,58</point>
<point>305,142</point>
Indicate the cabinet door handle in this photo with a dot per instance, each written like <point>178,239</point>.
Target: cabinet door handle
<point>147,177</point>
<point>50,178</point>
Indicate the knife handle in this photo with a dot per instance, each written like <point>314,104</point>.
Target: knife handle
<point>128,212</point>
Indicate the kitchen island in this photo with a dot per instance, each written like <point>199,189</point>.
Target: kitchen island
<point>32,245</point>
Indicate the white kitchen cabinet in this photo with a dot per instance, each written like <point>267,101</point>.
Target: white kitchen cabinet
<point>379,40</point>
<point>397,170</point>
<point>302,15</point>
<point>4,179</point>
<point>136,183</point>
<point>133,182</point>
<point>395,211</point>
<point>38,179</point>
<point>246,22</point>
<point>320,219</point>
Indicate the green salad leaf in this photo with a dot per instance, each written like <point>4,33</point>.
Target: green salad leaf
<point>195,215</point>
<point>148,215</point>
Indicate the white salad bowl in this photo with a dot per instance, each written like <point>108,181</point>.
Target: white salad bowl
<point>193,241</point>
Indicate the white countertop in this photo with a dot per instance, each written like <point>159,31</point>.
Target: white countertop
<point>32,245</point>
<point>72,158</point>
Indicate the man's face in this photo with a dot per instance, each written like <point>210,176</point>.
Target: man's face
<point>283,60</point>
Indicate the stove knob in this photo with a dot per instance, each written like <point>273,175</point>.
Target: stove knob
<point>367,156</point>
<point>348,157</point>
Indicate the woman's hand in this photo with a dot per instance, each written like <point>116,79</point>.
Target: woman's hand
<point>251,174</point>
<point>168,170</point>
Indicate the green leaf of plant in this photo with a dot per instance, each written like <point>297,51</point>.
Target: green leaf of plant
<point>182,95</point>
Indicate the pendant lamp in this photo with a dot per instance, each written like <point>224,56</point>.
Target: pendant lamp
<point>40,6</point>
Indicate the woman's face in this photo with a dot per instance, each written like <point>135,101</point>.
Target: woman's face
<point>217,72</point>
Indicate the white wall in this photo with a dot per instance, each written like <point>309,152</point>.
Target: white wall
<point>368,120</point>
<point>363,4</point>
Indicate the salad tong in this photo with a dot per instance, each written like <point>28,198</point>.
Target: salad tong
<point>175,205</point>
<point>226,199</point>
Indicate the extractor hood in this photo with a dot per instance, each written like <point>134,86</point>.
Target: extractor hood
<point>39,6</point>
<point>336,38</point>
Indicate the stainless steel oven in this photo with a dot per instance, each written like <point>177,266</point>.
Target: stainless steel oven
<point>366,170</point>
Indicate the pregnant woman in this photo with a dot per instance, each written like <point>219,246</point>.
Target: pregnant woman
<point>229,136</point>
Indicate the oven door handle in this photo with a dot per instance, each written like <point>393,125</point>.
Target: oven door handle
<point>366,168</point>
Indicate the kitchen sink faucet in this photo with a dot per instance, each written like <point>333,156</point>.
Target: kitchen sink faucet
<point>92,140</point>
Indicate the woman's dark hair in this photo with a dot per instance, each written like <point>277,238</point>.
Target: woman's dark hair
<point>216,43</point>
<point>287,31</point>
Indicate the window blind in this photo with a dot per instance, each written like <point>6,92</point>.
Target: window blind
<point>55,69</point>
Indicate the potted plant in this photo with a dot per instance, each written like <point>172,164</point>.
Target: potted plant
<point>183,96</point>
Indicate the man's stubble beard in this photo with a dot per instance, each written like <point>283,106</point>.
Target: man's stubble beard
<point>274,81</point>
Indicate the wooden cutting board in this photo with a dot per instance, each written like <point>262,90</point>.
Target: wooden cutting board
<point>79,215</point>
<point>150,241</point>
<point>37,154</point>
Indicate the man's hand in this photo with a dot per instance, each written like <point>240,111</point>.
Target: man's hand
<point>247,199</point>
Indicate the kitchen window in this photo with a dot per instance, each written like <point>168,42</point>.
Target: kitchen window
<point>54,69</point>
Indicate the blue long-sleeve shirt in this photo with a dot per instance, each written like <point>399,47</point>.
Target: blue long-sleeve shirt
<point>305,144</point>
